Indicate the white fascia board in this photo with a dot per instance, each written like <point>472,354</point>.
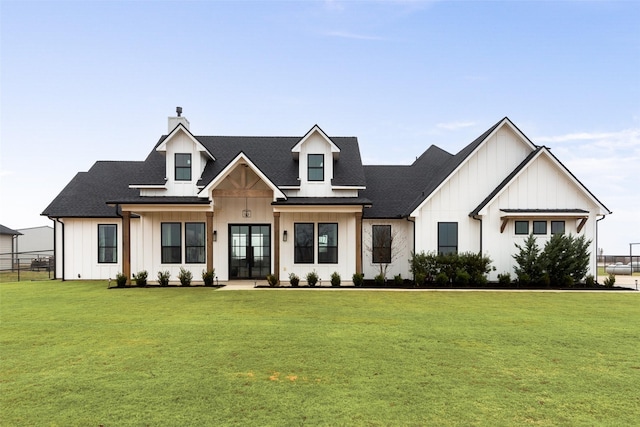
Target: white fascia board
<point>505,121</point>
<point>181,128</point>
<point>289,187</point>
<point>148,186</point>
<point>335,150</point>
<point>242,158</point>
<point>168,207</point>
<point>318,208</point>
<point>534,214</point>
<point>348,187</point>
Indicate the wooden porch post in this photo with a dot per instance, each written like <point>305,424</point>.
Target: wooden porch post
<point>126,245</point>
<point>209,228</point>
<point>276,243</point>
<point>358,242</point>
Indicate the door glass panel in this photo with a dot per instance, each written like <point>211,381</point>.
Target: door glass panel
<point>249,251</point>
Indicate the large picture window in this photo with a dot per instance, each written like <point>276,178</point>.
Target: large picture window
<point>303,243</point>
<point>381,236</point>
<point>183,167</point>
<point>194,245</point>
<point>315,167</point>
<point>171,243</point>
<point>447,237</point>
<point>107,243</point>
<point>327,243</point>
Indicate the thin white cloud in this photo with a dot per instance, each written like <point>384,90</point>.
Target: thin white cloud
<point>455,125</point>
<point>348,35</point>
<point>626,136</point>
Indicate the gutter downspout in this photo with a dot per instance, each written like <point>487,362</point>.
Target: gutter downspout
<point>477,218</point>
<point>55,249</point>
<point>596,269</point>
<point>413,250</point>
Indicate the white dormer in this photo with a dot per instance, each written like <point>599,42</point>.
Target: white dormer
<point>316,153</point>
<point>185,160</point>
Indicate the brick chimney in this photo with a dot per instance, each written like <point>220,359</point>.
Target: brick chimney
<point>173,121</point>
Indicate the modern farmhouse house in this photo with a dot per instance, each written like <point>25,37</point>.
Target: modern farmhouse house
<point>250,206</point>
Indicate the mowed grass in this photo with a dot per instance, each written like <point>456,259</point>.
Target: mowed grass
<point>75,353</point>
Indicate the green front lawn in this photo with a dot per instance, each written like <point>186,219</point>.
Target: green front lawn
<point>75,353</point>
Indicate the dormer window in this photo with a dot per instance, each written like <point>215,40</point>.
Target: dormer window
<point>183,167</point>
<point>315,167</point>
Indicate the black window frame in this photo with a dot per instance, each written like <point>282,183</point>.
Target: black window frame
<point>102,248</point>
<point>521,232</point>
<point>442,236</point>
<point>181,166</point>
<point>164,248</point>
<point>539,232</point>
<point>554,224</point>
<point>328,253</point>
<point>381,243</point>
<point>303,254</point>
<point>201,257</point>
<point>314,168</point>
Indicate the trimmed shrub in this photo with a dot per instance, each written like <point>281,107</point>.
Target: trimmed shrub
<point>141,278</point>
<point>610,281</point>
<point>379,280</point>
<point>420,279</point>
<point>504,279</point>
<point>312,278</point>
<point>208,276</point>
<point>358,279</point>
<point>442,279</point>
<point>529,267</point>
<point>398,280</point>
<point>294,279</point>
<point>185,277</point>
<point>462,278</point>
<point>335,279</point>
<point>272,280</point>
<point>121,280</point>
<point>163,278</point>
<point>590,281</point>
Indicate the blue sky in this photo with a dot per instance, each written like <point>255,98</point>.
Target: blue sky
<point>87,81</point>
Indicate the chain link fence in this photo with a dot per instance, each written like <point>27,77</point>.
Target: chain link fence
<point>21,266</point>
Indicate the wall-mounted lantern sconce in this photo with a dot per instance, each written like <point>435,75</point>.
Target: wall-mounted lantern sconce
<point>215,235</point>
<point>284,236</point>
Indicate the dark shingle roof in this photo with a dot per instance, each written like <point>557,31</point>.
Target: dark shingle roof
<point>8,231</point>
<point>87,193</point>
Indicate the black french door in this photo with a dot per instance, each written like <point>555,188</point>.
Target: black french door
<point>249,251</point>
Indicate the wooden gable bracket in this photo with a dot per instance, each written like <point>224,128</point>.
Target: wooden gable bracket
<point>583,221</point>
<point>505,220</point>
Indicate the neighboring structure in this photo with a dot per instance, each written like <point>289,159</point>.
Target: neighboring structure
<point>7,247</point>
<point>250,206</point>
<point>36,242</point>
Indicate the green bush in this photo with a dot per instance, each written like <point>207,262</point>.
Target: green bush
<point>379,280</point>
<point>312,278</point>
<point>121,280</point>
<point>610,281</point>
<point>442,279</point>
<point>529,267</point>
<point>141,278</point>
<point>294,279</point>
<point>272,280</point>
<point>398,280</point>
<point>420,279</point>
<point>504,279</point>
<point>335,279</point>
<point>208,276</point>
<point>358,279</point>
<point>462,278</point>
<point>425,267</point>
<point>163,278</point>
<point>185,277</point>
<point>590,281</point>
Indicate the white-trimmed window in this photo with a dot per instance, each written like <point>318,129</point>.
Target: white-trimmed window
<point>183,166</point>
<point>315,167</point>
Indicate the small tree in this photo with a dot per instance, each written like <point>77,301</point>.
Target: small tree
<point>529,268</point>
<point>566,259</point>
